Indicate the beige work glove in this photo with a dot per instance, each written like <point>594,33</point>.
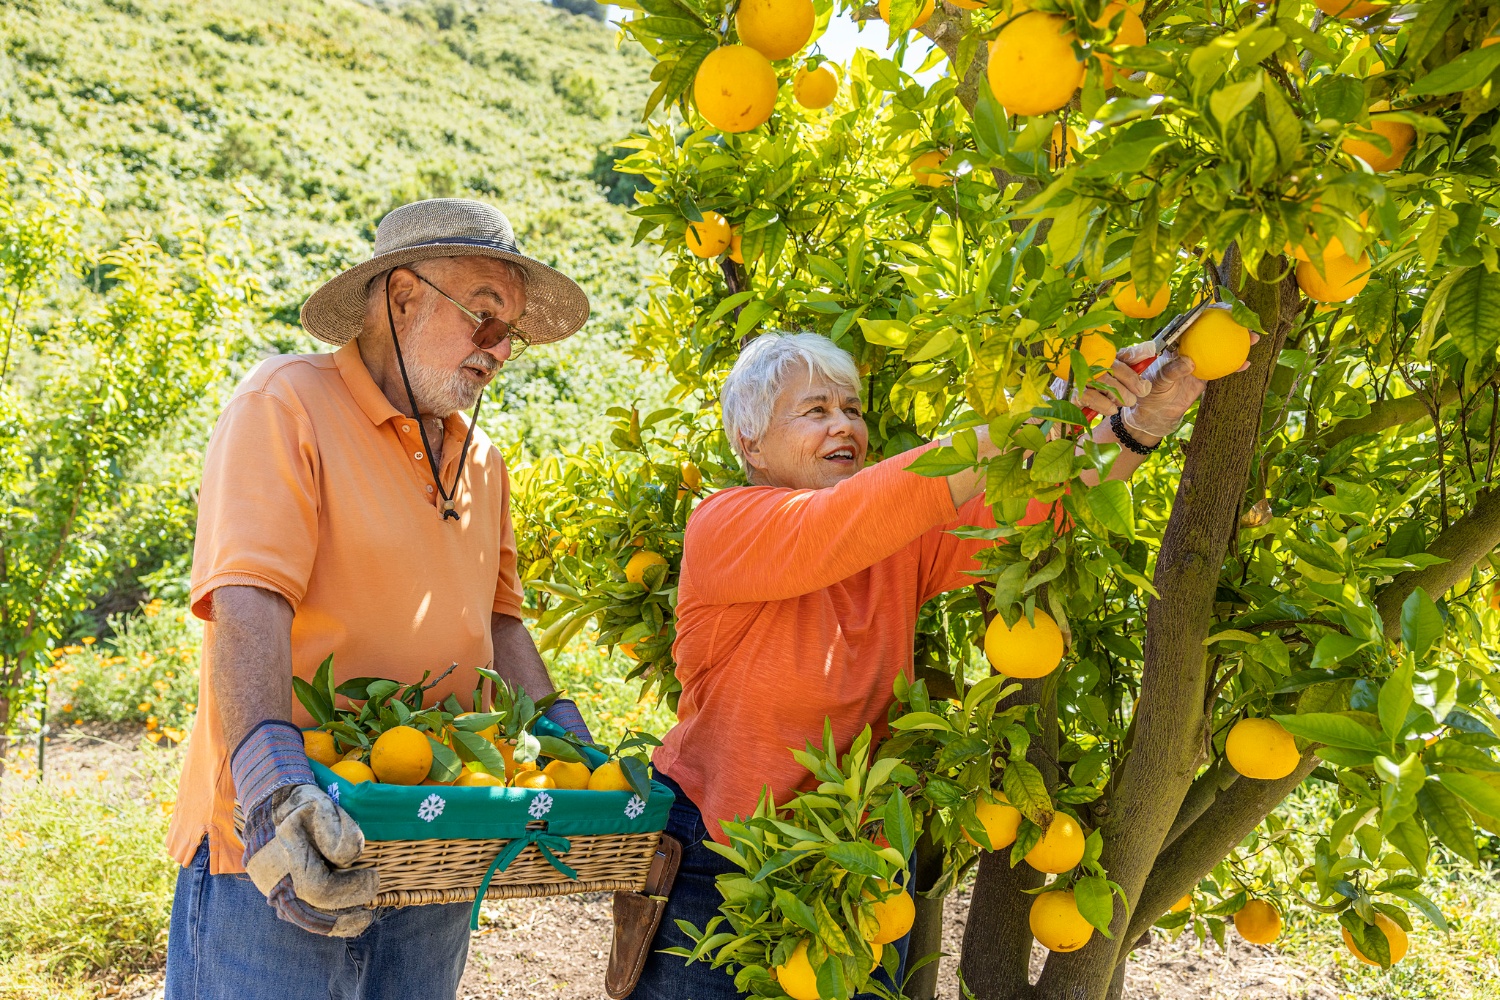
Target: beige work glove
<point>301,866</point>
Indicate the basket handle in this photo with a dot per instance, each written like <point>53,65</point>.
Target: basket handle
<point>544,841</point>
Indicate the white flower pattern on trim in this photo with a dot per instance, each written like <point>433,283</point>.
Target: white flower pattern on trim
<point>540,806</point>
<point>432,807</point>
<point>634,807</point>
<point>333,793</point>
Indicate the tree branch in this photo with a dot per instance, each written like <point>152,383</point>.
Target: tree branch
<point>1463,543</point>
<point>1225,823</point>
<point>1200,796</point>
<point>1385,415</point>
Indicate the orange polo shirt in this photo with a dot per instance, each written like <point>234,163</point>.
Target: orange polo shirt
<point>316,487</point>
<point>794,605</point>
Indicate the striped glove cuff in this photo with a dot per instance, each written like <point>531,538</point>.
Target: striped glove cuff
<point>271,756</point>
<point>564,712</point>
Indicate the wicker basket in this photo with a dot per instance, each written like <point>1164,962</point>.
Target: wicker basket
<point>416,872</point>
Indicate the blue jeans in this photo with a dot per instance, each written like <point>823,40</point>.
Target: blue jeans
<point>694,897</point>
<point>226,943</point>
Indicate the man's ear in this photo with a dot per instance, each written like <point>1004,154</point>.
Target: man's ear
<point>754,456</point>
<point>402,289</point>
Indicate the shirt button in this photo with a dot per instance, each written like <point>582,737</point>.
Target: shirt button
<point>406,428</point>
<point>429,489</point>
<point>417,456</point>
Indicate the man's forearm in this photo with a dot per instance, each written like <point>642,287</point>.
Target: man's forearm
<point>252,659</point>
<point>516,658</point>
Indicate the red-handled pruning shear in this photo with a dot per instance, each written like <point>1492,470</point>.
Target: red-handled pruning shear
<point>1165,340</point>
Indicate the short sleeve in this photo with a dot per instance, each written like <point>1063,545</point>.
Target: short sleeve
<point>508,594</point>
<point>258,505</point>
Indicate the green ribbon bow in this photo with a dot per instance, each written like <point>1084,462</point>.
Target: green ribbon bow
<point>544,841</point>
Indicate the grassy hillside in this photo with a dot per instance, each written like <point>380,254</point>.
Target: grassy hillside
<point>311,120</point>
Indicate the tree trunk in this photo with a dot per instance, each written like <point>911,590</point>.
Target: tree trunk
<point>927,928</point>
<point>996,958</point>
<point>1170,720</point>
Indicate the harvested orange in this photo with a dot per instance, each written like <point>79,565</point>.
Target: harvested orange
<point>401,756</point>
<point>1056,922</point>
<point>352,770</point>
<point>775,28</point>
<point>490,733</point>
<point>533,779</point>
<point>1027,650</point>
<point>478,779</point>
<point>1033,69</point>
<point>1061,847</point>
<point>1258,922</point>
<point>1128,300</point>
<point>318,746</point>
<point>708,238</point>
<point>635,569</point>
<point>1395,939</point>
<point>609,777</point>
<point>815,88</point>
<point>735,88</point>
<point>567,774</point>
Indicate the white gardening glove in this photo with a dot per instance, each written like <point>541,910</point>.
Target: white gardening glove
<point>1174,388</point>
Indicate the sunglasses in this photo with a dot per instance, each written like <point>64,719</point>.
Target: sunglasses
<point>489,331</point>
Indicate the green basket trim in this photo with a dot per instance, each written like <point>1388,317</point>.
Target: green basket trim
<point>446,812</point>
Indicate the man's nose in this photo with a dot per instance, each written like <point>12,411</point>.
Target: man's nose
<point>500,352</point>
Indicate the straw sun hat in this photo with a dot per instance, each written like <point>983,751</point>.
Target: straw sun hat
<point>446,227</point>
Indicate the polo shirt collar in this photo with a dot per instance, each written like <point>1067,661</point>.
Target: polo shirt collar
<point>362,386</point>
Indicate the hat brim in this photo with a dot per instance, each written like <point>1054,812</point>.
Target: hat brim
<point>555,306</point>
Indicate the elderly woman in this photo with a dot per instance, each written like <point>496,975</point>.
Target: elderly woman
<point>799,595</point>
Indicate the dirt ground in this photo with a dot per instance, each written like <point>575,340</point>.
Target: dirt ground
<point>556,949</point>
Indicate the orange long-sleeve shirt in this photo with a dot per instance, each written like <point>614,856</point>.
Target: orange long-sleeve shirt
<point>794,605</point>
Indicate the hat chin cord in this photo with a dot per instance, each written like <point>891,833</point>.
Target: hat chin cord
<point>447,495</point>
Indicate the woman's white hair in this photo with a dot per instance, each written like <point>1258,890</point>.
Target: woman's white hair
<point>760,373</point>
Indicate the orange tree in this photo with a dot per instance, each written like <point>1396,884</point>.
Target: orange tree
<point>1295,592</point>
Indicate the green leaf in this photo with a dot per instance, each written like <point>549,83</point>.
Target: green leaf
<point>1053,462</point>
<point>1396,698</point>
<point>1330,729</point>
<point>899,824</point>
<point>857,857</point>
<point>445,764</point>
<point>1464,73</point>
<point>1448,821</point>
<point>1096,902</point>
<point>1027,791</point>
<point>1473,307</point>
<point>1335,647</point>
<point>1483,796</point>
<point>313,700</point>
<point>559,749</point>
<point>800,913</point>
<point>1153,256</point>
<point>1339,97</point>
<point>638,776</point>
<point>482,750</point>
<point>1110,502</point>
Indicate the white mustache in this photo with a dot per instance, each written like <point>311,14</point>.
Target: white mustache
<point>479,359</point>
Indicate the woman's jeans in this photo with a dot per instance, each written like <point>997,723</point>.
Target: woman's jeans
<point>695,898</point>
<point>226,942</point>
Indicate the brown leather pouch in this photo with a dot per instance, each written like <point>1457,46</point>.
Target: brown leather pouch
<point>637,915</point>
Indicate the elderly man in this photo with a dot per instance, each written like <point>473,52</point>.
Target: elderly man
<point>799,594</point>
<point>348,507</point>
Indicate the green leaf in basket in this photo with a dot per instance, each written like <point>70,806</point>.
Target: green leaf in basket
<point>317,706</point>
<point>348,735</point>
<point>476,747</point>
<point>638,776</point>
<point>476,723</point>
<point>323,681</point>
<point>356,688</point>
<point>381,689</point>
<point>452,707</point>
<point>445,764</point>
<point>528,748</point>
<point>559,749</point>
